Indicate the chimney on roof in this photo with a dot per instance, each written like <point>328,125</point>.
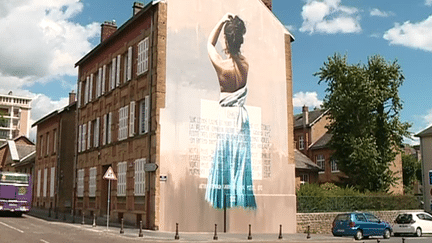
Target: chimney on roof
<point>107,29</point>
<point>268,3</point>
<point>72,97</point>
<point>305,110</point>
<point>137,6</point>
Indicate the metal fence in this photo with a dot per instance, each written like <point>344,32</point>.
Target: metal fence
<point>310,204</point>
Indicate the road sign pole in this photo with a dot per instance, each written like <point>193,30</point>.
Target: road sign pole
<point>109,195</point>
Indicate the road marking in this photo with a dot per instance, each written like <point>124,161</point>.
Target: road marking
<point>44,241</point>
<point>12,227</point>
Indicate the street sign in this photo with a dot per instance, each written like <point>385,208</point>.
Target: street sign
<point>109,174</point>
<point>150,167</point>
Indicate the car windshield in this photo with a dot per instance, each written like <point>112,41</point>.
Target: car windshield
<point>403,218</point>
<point>343,217</point>
<point>14,178</point>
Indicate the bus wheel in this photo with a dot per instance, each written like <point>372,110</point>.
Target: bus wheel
<point>18,214</point>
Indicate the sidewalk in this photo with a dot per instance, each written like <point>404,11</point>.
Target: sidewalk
<point>159,236</point>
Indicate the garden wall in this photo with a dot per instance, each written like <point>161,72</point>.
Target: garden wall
<point>321,223</point>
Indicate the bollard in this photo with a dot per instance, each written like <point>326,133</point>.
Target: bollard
<point>177,237</point>
<point>250,232</point>
<point>64,216</point>
<point>73,216</point>
<point>82,222</point>
<point>140,231</point>
<point>49,212</point>
<point>308,233</point>
<point>215,237</point>
<point>378,241</point>
<point>94,220</point>
<point>121,229</point>
<point>280,232</point>
<point>403,240</point>
<point>56,213</point>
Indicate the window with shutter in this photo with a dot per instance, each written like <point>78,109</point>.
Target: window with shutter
<point>86,90</point>
<point>109,127</point>
<point>91,88</point>
<point>83,143</point>
<point>98,83</point>
<point>80,183</point>
<point>143,50</point>
<point>104,129</point>
<point>52,179</point>
<point>121,179</point>
<point>113,74</point>
<point>132,119</point>
<point>118,82</point>
<point>45,182</point>
<point>89,136</point>
<point>139,188</point>
<point>103,79</point>
<point>92,182</point>
<point>129,64</point>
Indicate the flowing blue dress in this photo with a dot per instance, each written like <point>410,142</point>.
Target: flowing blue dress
<point>230,178</point>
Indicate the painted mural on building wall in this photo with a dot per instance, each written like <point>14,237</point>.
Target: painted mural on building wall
<point>224,125</point>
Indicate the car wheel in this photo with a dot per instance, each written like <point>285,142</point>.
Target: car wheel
<point>386,234</point>
<point>418,232</point>
<point>358,235</point>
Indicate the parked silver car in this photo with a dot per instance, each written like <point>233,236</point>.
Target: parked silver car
<point>415,223</point>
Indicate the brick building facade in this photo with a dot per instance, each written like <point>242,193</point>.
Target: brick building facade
<point>53,172</point>
<point>140,111</point>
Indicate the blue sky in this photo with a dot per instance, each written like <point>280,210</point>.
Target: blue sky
<point>41,41</point>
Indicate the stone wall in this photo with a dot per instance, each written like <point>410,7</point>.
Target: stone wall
<point>321,223</point>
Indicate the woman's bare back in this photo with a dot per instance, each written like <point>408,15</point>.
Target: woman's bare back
<point>232,74</point>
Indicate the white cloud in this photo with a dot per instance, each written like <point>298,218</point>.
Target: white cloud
<point>43,105</point>
<point>330,17</point>
<point>428,117</point>
<point>290,27</point>
<point>428,2</point>
<point>379,13</point>
<point>309,99</point>
<point>414,35</point>
<point>38,38</point>
<point>40,43</point>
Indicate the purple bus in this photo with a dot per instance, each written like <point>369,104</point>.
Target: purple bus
<point>15,192</point>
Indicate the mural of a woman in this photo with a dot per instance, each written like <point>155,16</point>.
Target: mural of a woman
<point>230,179</point>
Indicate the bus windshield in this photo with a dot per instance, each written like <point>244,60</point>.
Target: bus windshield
<point>14,178</point>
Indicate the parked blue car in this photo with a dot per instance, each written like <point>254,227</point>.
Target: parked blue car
<point>360,225</point>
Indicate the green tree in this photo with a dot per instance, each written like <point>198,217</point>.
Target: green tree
<point>411,168</point>
<point>364,105</point>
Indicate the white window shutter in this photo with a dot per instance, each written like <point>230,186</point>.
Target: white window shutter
<point>113,73</point>
<point>109,127</point>
<point>89,135</point>
<point>86,90</point>
<point>84,130</point>
<point>96,133</point>
<point>132,119</point>
<point>91,88</point>
<point>99,81</point>
<point>79,93</point>
<point>103,79</point>
<point>129,64</point>
<point>147,114</point>
<point>104,129</point>
<point>139,57</point>
<point>146,54</point>
<point>79,138</point>
<point>118,70</point>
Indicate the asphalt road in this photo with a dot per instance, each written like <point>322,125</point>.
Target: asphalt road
<point>29,229</point>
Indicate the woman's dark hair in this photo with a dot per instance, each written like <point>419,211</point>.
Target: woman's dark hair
<point>234,30</point>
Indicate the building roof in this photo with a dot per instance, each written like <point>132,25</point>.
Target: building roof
<point>425,133</point>
<point>16,139</point>
<point>322,142</point>
<point>117,32</point>
<point>314,116</point>
<point>54,113</point>
<point>303,162</point>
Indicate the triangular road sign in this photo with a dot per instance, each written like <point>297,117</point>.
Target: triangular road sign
<point>109,174</point>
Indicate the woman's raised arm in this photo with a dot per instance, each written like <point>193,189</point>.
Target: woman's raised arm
<point>215,58</point>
